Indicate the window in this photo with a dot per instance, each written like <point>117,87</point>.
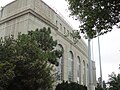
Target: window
<point>87,74</point>
<point>60,27</point>
<point>60,67</point>
<point>56,22</point>
<point>64,30</point>
<point>78,70</point>
<point>84,73</point>
<point>70,66</point>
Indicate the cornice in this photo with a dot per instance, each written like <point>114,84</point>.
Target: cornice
<point>27,11</point>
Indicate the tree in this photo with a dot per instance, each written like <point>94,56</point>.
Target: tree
<point>104,86</point>
<point>26,63</point>
<point>114,82</point>
<point>99,86</point>
<point>97,17</point>
<point>70,86</point>
<point>6,67</point>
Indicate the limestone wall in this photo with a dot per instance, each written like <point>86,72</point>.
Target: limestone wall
<point>25,15</point>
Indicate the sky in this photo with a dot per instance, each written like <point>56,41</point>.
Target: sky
<point>109,43</point>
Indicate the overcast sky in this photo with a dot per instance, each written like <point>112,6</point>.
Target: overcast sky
<point>110,42</point>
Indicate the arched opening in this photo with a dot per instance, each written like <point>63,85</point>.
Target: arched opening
<point>70,66</point>
<point>60,67</point>
<point>78,70</point>
<point>84,73</point>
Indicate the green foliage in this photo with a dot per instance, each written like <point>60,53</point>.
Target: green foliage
<point>114,82</point>
<point>75,35</point>
<point>96,16</point>
<point>70,86</point>
<point>6,74</point>
<point>104,86</point>
<point>46,44</point>
<point>27,62</point>
<point>98,87</point>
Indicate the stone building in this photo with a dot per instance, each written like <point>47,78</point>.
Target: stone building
<point>25,15</point>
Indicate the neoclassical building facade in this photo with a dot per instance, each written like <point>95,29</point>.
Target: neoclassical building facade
<point>25,15</point>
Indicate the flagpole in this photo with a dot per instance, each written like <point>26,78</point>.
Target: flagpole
<point>101,81</point>
<point>90,87</point>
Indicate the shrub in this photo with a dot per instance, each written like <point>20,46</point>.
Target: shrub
<point>70,86</point>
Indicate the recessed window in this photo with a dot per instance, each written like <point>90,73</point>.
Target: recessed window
<point>78,70</point>
<point>60,27</point>
<point>64,30</point>
<point>56,22</point>
<point>84,73</point>
<point>60,67</point>
<point>70,66</point>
